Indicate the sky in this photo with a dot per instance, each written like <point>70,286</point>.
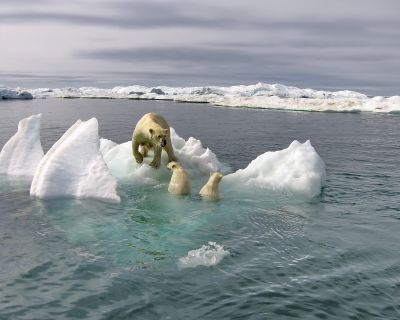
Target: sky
<point>334,45</point>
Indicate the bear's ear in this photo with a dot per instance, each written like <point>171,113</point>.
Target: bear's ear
<point>151,131</point>
<point>165,131</point>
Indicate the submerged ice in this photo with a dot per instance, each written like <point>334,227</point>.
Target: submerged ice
<point>22,153</point>
<point>260,95</point>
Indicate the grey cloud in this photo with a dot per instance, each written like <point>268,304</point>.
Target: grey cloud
<point>169,54</point>
<point>130,20</point>
<point>305,43</point>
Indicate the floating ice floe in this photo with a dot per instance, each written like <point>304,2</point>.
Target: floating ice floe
<point>297,170</point>
<point>260,95</point>
<point>196,160</point>
<point>208,255</point>
<point>14,94</point>
<point>21,155</point>
<point>80,165</point>
<point>74,167</point>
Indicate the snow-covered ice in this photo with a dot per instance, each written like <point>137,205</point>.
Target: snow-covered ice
<point>14,94</point>
<point>196,160</point>
<point>22,153</point>
<point>297,170</point>
<point>74,167</point>
<point>260,95</point>
<point>106,145</point>
<point>80,165</point>
<point>208,255</point>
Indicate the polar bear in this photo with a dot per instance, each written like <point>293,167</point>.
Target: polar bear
<point>152,132</point>
<point>210,189</point>
<point>179,183</point>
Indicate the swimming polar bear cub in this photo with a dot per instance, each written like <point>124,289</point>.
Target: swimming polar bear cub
<point>152,132</point>
<point>210,189</point>
<point>179,183</point>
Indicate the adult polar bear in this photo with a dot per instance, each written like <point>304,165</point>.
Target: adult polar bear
<point>152,132</point>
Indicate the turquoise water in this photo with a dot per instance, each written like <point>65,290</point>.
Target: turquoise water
<point>333,257</point>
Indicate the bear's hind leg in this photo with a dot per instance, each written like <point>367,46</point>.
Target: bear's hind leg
<point>144,150</point>
<point>135,150</point>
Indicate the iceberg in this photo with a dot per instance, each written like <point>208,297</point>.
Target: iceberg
<point>260,95</point>
<point>14,94</point>
<point>21,155</point>
<point>208,255</point>
<point>296,170</point>
<point>74,167</point>
<point>196,160</point>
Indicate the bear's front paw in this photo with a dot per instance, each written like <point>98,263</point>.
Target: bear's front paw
<point>155,163</point>
<point>138,158</point>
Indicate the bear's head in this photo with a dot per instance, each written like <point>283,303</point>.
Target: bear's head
<point>173,165</point>
<point>216,176</point>
<point>159,136</point>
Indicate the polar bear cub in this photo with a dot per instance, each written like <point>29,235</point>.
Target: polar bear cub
<point>179,183</point>
<point>210,189</point>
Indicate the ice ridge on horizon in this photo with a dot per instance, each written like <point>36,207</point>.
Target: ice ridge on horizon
<point>260,95</point>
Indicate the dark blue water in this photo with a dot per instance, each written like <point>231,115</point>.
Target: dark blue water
<point>334,257</point>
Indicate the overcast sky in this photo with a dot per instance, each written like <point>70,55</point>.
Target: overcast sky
<point>336,44</point>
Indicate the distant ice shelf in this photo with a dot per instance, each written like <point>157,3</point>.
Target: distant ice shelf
<point>14,94</point>
<point>260,95</point>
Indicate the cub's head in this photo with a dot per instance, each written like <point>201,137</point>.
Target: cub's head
<point>216,176</point>
<point>173,165</point>
<point>159,136</point>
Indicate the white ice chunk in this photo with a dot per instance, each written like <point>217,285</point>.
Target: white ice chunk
<point>106,145</point>
<point>297,170</point>
<point>74,167</point>
<point>22,153</point>
<point>123,166</point>
<point>196,160</point>
<point>208,255</point>
<point>14,94</point>
<point>193,156</point>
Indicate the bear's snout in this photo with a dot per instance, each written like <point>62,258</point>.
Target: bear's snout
<point>163,142</point>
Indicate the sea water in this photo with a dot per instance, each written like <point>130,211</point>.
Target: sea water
<point>251,255</point>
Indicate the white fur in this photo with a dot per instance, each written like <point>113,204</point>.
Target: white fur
<point>210,189</point>
<point>179,183</point>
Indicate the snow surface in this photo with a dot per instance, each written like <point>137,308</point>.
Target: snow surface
<point>22,153</point>
<point>260,95</point>
<point>196,160</point>
<point>106,145</point>
<point>208,255</point>
<point>297,170</point>
<point>74,167</point>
